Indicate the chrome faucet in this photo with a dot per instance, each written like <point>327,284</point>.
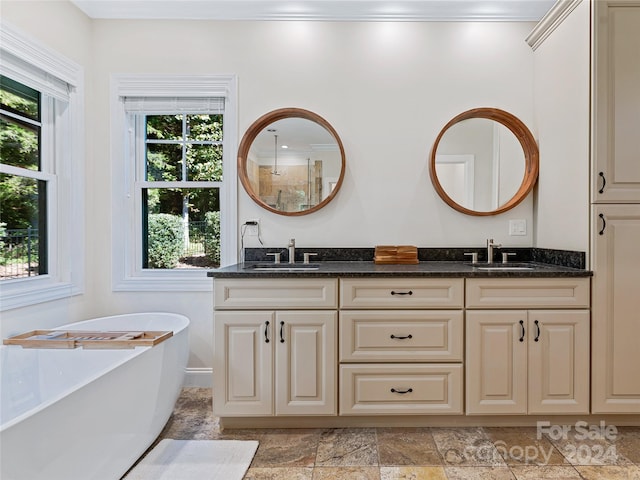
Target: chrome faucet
<point>292,250</point>
<point>490,247</point>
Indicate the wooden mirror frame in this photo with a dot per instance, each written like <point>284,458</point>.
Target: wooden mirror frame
<point>529,147</point>
<point>258,126</point>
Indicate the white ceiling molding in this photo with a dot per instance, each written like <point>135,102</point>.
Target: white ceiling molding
<point>551,21</point>
<point>319,10</point>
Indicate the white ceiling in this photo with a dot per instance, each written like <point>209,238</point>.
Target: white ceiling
<point>323,10</point>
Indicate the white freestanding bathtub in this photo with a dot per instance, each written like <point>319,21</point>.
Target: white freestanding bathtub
<point>83,414</point>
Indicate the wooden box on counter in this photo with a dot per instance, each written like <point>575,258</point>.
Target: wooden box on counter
<point>396,254</point>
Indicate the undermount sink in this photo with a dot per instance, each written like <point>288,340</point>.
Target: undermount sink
<point>279,267</point>
<point>502,267</point>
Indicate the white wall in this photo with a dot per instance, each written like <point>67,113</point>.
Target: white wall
<point>561,93</point>
<point>387,89</point>
<point>37,20</point>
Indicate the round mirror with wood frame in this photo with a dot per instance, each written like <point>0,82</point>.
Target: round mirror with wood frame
<point>525,162</point>
<point>291,162</point>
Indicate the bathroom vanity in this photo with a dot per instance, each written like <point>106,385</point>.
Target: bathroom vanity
<point>354,343</point>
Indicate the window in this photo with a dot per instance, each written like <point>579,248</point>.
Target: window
<point>176,212</point>
<point>23,183</point>
<point>41,140</point>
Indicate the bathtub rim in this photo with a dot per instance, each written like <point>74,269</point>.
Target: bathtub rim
<point>131,353</point>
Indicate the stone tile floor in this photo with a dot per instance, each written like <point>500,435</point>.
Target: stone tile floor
<point>469,453</point>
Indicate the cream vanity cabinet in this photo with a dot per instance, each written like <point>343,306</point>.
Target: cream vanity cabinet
<point>275,347</point>
<point>527,346</point>
<point>401,346</point>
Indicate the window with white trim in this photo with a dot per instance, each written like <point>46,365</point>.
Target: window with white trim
<point>41,173</point>
<point>25,178</point>
<point>177,208</point>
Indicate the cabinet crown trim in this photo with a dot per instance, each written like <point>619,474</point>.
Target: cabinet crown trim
<point>553,18</point>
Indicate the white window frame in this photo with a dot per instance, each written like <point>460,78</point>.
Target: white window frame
<point>127,271</point>
<point>62,83</point>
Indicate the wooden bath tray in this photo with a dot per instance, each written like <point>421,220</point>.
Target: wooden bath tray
<point>87,339</point>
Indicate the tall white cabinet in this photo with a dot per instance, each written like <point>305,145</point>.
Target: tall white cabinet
<point>615,195</point>
<point>616,309</point>
<point>616,102</point>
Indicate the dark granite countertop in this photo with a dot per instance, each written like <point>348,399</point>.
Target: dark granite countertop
<point>346,269</point>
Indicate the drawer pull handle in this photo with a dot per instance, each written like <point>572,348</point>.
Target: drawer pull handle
<point>604,224</point>
<point>281,332</point>
<point>604,182</point>
<point>393,292</point>
<point>402,392</point>
<point>404,337</point>
<point>522,330</point>
<point>537,331</point>
<point>266,331</point>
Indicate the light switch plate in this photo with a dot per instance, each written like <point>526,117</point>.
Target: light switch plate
<point>517,227</point>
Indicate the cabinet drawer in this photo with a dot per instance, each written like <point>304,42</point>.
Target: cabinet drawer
<point>281,293</point>
<point>401,293</point>
<point>401,336</point>
<point>400,389</point>
<point>528,292</point>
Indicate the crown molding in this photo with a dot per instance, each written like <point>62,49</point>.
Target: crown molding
<point>318,10</point>
<point>552,20</point>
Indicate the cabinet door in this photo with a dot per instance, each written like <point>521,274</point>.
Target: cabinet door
<point>616,177</point>
<point>243,363</point>
<point>496,362</point>
<point>616,309</point>
<point>306,364</point>
<point>558,344</point>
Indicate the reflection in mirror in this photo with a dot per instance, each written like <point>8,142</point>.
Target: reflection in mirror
<point>291,162</point>
<point>480,164</point>
<point>484,162</point>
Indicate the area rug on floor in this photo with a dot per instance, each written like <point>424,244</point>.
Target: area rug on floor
<point>196,460</point>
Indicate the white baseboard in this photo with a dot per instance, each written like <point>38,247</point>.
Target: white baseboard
<point>198,377</point>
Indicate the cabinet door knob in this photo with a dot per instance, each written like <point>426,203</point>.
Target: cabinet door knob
<point>402,392</point>
<point>604,224</point>
<point>403,337</point>
<point>266,331</point>
<point>521,330</point>
<point>281,332</point>
<point>537,331</point>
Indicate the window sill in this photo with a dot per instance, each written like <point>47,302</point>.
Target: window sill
<point>165,281</point>
<point>24,293</point>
